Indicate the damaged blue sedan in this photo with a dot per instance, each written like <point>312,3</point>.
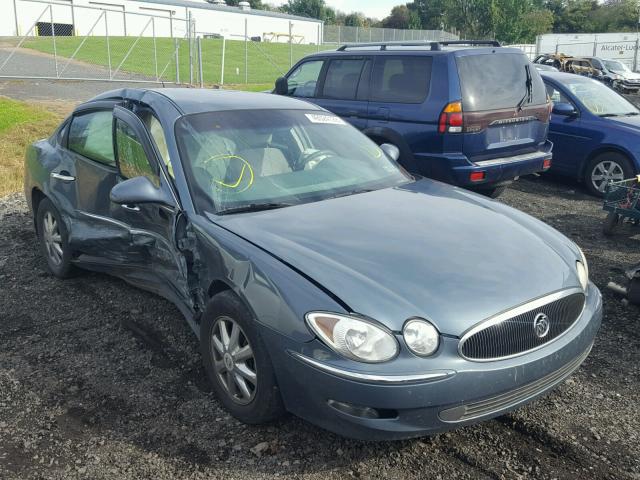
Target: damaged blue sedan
<point>320,277</point>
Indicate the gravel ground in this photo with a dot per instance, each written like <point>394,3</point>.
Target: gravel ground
<point>101,380</point>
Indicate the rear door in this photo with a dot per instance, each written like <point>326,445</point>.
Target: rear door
<point>343,89</point>
<point>502,116</point>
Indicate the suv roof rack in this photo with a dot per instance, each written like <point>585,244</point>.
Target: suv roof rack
<point>434,45</point>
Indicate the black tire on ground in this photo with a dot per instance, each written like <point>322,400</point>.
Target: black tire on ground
<point>610,223</point>
<point>52,230</point>
<point>265,403</point>
<point>493,192</point>
<point>633,292</point>
<point>624,167</point>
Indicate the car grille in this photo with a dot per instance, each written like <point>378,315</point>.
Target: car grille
<point>511,398</point>
<point>514,332</point>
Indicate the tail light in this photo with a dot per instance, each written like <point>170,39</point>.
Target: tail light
<point>546,164</point>
<point>451,120</point>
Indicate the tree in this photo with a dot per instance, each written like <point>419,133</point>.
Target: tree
<point>402,17</point>
<point>355,19</point>
<point>310,8</point>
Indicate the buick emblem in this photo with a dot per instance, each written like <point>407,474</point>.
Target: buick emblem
<point>541,325</point>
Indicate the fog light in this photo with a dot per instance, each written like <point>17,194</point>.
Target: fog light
<point>477,176</point>
<point>355,410</point>
<point>421,337</point>
<point>546,164</point>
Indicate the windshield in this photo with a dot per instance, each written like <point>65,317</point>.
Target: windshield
<point>616,66</point>
<point>246,160</point>
<point>600,99</point>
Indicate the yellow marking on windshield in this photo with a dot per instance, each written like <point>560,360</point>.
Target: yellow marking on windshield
<point>234,185</point>
<point>246,167</point>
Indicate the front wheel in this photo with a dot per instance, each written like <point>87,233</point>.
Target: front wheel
<point>54,239</point>
<point>604,168</point>
<point>237,363</point>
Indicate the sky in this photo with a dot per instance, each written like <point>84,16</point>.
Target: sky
<point>371,8</point>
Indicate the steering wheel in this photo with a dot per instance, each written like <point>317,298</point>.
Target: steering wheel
<point>311,161</point>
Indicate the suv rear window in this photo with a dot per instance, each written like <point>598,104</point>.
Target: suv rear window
<point>401,79</point>
<point>497,81</point>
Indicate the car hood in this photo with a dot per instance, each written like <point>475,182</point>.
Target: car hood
<point>631,122</point>
<point>628,75</point>
<point>422,250</point>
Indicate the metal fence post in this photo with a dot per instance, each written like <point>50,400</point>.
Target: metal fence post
<point>190,49</point>
<point>635,57</point>
<point>177,48</point>
<point>53,35</point>
<point>155,47</point>
<point>224,45</point>
<point>73,20</point>
<point>290,44</point>
<point>339,29</point>
<point>246,51</point>
<point>106,36</point>
<point>200,73</point>
<point>15,17</point>
<point>318,37</point>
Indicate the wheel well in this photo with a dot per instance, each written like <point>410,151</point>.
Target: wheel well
<point>216,287</point>
<point>595,153</point>
<point>36,197</point>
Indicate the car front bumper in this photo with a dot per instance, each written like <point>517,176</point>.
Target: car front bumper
<point>444,392</point>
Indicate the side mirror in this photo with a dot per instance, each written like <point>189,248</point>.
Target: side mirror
<point>139,190</point>
<point>565,109</point>
<point>391,151</point>
<point>282,86</point>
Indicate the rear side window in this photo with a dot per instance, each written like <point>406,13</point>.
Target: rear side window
<point>91,136</point>
<point>303,80</point>
<point>497,81</point>
<point>401,79</point>
<point>342,79</point>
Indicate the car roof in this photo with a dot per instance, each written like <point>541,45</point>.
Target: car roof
<point>411,50</point>
<point>199,100</point>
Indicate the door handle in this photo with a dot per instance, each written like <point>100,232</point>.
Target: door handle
<point>64,176</point>
<point>132,208</point>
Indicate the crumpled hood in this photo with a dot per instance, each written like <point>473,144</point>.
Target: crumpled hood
<point>628,75</point>
<point>422,250</point>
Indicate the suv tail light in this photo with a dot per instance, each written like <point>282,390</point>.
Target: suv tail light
<point>451,120</point>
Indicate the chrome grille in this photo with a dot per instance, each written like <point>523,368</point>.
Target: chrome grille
<point>513,333</point>
<point>511,398</point>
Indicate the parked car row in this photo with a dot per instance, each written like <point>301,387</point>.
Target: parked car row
<point>320,277</point>
<point>613,73</point>
<point>477,115</point>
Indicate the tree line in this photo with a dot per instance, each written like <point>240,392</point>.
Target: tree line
<point>510,21</point>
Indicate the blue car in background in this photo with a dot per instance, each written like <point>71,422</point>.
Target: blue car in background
<point>594,130</point>
<point>469,113</point>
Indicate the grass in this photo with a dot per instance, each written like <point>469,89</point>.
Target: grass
<point>20,125</point>
<point>131,57</point>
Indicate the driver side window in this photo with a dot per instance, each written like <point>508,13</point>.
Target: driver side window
<point>304,79</point>
<point>132,159</point>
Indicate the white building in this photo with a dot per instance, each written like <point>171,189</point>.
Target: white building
<point>167,18</point>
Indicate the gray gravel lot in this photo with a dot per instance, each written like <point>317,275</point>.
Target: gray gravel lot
<point>101,380</point>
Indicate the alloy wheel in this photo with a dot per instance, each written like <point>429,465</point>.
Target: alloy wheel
<point>234,361</point>
<point>52,238</point>
<point>605,172</point>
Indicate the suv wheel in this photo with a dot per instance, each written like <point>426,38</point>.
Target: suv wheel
<point>604,168</point>
<point>237,362</point>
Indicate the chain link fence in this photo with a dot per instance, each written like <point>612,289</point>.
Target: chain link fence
<point>338,34</point>
<point>102,42</point>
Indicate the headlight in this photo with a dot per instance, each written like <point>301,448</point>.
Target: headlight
<point>583,270</point>
<point>355,338</point>
<point>421,337</point>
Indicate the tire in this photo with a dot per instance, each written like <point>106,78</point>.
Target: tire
<point>633,291</point>
<point>493,192</point>
<point>231,366</point>
<point>610,223</point>
<point>54,240</point>
<point>600,167</point>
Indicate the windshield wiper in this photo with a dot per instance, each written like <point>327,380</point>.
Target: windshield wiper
<point>626,114</point>
<point>529,93</point>
<point>351,192</point>
<point>254,207</point>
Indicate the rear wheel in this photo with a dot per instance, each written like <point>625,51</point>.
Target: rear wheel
<point>604,168</point>
<point>54,239</point>
<point>237,362</point>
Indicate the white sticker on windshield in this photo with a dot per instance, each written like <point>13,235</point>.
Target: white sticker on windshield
<point>321,118</point>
